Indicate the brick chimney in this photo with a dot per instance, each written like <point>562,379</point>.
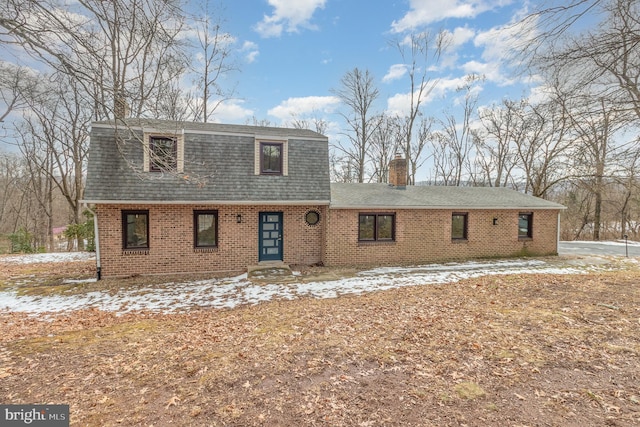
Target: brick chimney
<point>398,172</point>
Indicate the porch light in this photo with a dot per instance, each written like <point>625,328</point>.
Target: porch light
<point>239,218</point>
<point>495,221</point>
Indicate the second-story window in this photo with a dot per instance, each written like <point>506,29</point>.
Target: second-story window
<point>163,154</point>
<point>270,158</point>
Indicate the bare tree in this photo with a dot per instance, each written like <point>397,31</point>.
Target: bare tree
<point>456,139</point>
<point>342,168</point>
<point>55,140</point>
<point>120,52</point>
<point>10,174</point>
<point>543,151</point>
<point>384,145</point>
<point>15,83</point>
<point>503,129</point>
<point>212,63</point>
<point>315,124</point>
<point>418,52</point>
<point>605,57</point>
<point>594,123</point>
<point>358,92</point>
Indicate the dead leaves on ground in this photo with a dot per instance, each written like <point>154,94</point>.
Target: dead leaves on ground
<point>501,350</point>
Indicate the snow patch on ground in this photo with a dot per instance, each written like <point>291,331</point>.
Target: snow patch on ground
<point>48,257</point>
<point>235,291</point>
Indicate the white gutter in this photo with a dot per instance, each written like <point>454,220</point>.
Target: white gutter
<point>447,207</point>
<point>558,239</point>
<point>209,202</point>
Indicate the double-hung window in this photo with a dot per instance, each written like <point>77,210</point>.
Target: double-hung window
<point>459,226</point>
<point>376,227</point>
<point>135,230</point>
<point>205,229</point>
<point>525,225</point>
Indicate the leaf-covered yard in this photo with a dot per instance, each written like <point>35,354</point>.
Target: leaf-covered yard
<point>509,350</point>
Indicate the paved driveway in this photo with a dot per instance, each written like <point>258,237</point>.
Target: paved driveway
<point>609,248</point>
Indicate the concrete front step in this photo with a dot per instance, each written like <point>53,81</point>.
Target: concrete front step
<point>269,270</point>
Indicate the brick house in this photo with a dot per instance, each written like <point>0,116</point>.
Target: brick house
<point>177,197</point>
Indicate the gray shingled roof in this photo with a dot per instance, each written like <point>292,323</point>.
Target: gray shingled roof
<point>220,156</point>
<point>197,127</point>
<point>384,196</point>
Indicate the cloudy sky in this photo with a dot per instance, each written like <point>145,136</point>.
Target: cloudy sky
<point>293,53</point>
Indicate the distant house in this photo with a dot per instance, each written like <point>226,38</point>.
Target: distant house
<point>177,197</point>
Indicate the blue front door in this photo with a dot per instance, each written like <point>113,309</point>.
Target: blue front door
<point>270,240</point>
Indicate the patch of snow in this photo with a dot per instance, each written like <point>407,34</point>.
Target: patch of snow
<point>48,257</point>
<point>619,242</point>
<point>92,280</point>
<point>234,291</point>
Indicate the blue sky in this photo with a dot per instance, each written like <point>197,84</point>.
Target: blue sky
<point>292,53</point>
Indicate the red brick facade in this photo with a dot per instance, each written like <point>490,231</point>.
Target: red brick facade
<point>420,236</point>
<point>171,239</point>
<point>425,236</point>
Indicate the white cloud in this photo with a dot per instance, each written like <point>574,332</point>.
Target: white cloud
<point>400,103</point>
<point>250,51</point>
<point>490,70</point>
<point>395,72</point>
<point>297,107</point>
<point>289,16</point>
<point>499,42</point>
<point>425,12</point>
<point>231,111</point>
<point>460,36</point>
<point>501,46</point>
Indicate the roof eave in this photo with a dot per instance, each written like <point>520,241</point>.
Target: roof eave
<point>444,207</point>
<point>207,202</point>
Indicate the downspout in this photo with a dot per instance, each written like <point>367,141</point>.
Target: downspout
<point>558,238</point>
<point>96,241</point>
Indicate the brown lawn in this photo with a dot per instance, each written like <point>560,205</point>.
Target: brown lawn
<point>528,350</point>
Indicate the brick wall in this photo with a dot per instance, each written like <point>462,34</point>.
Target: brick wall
<point>171,247</point>
<point>425,236</point>
<point>420,236</point>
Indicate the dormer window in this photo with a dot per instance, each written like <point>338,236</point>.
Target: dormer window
<point>163,154</point>
<point>271,158</point>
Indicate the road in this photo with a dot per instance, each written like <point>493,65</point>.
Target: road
<point>609,248</point>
